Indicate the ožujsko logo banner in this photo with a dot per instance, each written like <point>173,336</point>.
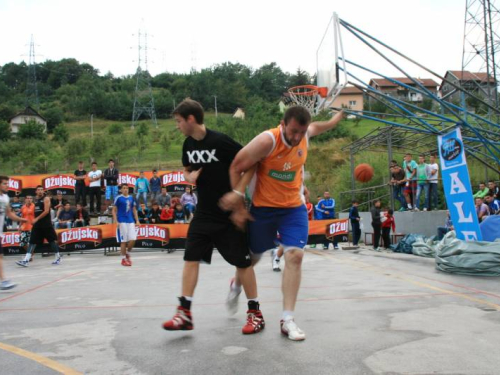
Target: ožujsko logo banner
<point>457,187</point>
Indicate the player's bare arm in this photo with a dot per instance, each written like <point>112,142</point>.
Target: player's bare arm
<point>136,216</point>
<point>190,175</point>
<point>319,127</point>
<point>13,216</point>
<point>115,220</point>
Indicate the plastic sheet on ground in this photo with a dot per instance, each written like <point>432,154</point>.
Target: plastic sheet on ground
<point>407,243</point>
<point>468,258</point>
<point>490,228</point>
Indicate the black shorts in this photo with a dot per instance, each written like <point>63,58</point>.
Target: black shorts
<point>39,234</point>
<point>205,233</point>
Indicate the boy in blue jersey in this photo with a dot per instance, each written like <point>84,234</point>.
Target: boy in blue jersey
<point>125,216</point>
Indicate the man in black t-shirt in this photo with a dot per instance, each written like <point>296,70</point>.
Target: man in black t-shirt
<point>206,156</point>
<point>80,188</point>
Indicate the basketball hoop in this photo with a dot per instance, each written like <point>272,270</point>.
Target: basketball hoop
<point>306,96</point>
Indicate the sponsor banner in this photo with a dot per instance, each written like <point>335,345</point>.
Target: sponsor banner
<point>15,185</point>
<point>337,227</point>
<point>59,182</point>
<point>174,182</point>
<point>457,187</point>
<point>11,243</point>
<point>127,178</point>
<point>79,238</point>
<point>151,236</point>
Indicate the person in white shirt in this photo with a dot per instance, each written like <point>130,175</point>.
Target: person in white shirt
<point>433,183</point>
<point>95,176</point>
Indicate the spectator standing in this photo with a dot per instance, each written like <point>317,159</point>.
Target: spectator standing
<point>398,183</point>
<point>155,186</point>
<point>143,214</point>
<point>433,183</point>
<point>164,199</point>
<point>155,214</point>
<point>355,222</point>
<point>326,207</point>
<point>95,178</point>
<point>483,190</point>
<point>65,217</point>
<point>317,214</point>
<point>81,216</point>
<point>111,177</point>
<point>167,214</point>
<point>376,225</point>
<point>493,188</point>
<point>493,203</point>
<point>482,210</point>
<point>80,188</point>
<point>423,174</point>
<point>189,202</point>
<point>28,213</point>
<point>410,168</point>
<point>310,208</point>
<point>387,224</point>
<point>141,189</point>
<point>448,226</point>
<point>15,207</point>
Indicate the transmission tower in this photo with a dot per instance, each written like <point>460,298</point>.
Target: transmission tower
<point>143,95</point>
<point>31,98</point>
<point>481,47</point>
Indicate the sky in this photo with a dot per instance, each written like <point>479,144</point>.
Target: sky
<point>199,34</point>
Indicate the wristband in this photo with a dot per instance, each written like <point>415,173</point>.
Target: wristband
<point>239,193</point>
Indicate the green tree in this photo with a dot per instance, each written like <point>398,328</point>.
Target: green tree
<point>98,146</point>
<point>115,129</point>
<point>165,142</point>
<point>4,131</point>
<point>32,130</point>
<point>54,117</point>
<point>61,134</point>
<point>76,148</point>
<point>142,139</point>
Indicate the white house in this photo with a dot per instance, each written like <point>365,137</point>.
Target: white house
<point>28,114</point>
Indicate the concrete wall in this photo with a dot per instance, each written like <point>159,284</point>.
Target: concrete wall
<point>425,223</point>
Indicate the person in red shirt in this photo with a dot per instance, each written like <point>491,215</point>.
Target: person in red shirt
<point>310,208</point>
<point>387,224</point>
<point>167,215</point>
<point>27,212</point>
<point>81,216</point>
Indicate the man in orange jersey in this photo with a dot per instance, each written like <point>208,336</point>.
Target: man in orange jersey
<point>278,203</point>
<point>27,212</point>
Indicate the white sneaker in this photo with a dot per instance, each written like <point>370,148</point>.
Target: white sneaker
<point>416,209</point>
<point>330,246</point>
<point>232,298</point>
<point>276,264</point>
<point>6,285</point>
<point>290,329</point>
<point>425,209</point>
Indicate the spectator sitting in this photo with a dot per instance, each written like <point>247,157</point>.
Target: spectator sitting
<point>179,214</point>
<point>482,210</point>
<point>167,215</point>
<point>483,190</point>
<point>59,202</point>
<point>164,198</point>
<point>81,216</point>
<point>66,217</point>
<point>189,202</point>
<point>143,214</point>
<point>141,189</point>
<point>387,224</point>
<point>155,214</point>
<point>492,186</point>
<point>448,226</point>
<point>326,207</point>
<point>155,186</point>
<point>175,201</point>
<point>493,203</point>
<point>355,222</point>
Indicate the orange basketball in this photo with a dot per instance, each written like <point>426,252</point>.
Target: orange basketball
<point>363,172</point>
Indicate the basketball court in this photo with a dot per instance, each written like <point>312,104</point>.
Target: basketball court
<point>363,313</point>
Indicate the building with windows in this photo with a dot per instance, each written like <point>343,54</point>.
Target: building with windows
<point>28,114</point>
<point>401,92</point>
<point>476,83</point>
<point>350,97</point>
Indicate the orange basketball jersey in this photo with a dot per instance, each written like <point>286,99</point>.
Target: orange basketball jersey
<point>280,176</point>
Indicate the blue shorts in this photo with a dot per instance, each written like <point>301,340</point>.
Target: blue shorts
<point>291,224</point>
<point>111,191</point>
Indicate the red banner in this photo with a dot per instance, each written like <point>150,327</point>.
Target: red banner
<point>337,227</point>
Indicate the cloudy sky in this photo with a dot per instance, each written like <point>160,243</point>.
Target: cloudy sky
<point>201,33</point>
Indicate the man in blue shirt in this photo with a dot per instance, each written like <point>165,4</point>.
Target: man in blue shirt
<point>155,186</point>
<point>142,189</point>
<point>492,203</point>
<point>125,216</point>
<point>326,207</point>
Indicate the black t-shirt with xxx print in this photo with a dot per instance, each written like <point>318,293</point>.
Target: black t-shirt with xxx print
<point>214,154</point>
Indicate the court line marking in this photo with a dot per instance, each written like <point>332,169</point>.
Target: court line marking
<point>376,269</point>
<point>40,286</point>
<point>311,299</point>
<point>44,361</point>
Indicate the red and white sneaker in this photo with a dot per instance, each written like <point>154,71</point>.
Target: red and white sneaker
<point>126,262</point>
<point>128,258</point>
<point>290,329</point>
<point>182,321</point>
<point>255,322</point>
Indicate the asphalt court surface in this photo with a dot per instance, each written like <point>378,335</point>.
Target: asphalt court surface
<point>363,313</point>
